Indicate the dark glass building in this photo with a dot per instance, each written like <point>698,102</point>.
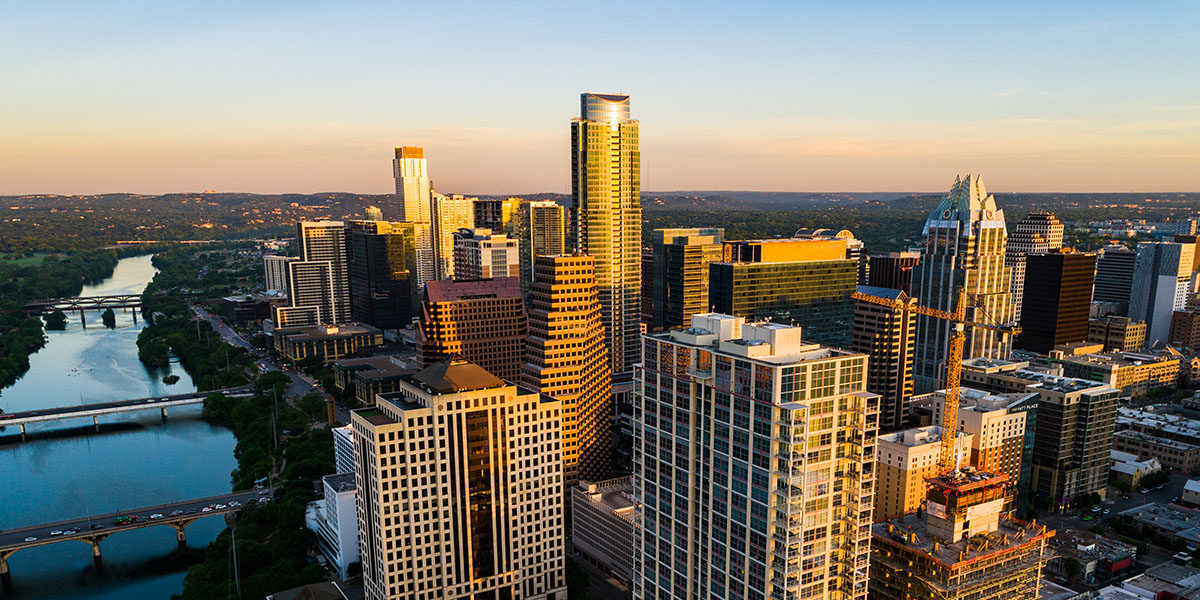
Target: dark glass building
<point>893,270</point>
<point>679,277</point>
<point>382,266</point>
<point>814,295</point>
<point>1057,300</point>
<point>1114,275</point>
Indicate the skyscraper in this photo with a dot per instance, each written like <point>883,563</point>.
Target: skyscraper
<point>566,359</point>
<point>1059,299</point>
<point>1114,276</point>
<point>383,273</point>
<point>803,282</point>
<point>680,268</point>
<point>325,241</point>
<point>481,254</point>
<point>496,213</point>
<point>415,194</point>
<point>887,336</point>
<point>753,459</point>
<point>310,294</point>
<point>854,247</point>
<point>1162,277</point>
<point>893,270</point>
<point>965,239</point>
<point>1038,232</point>
<point>450,214</point>
<point>540,230</point>
<point>483,321</point>
<point>459,483</point>
<point>607,217</point>
<point>276,271</point>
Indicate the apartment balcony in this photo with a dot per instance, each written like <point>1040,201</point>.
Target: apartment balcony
<point>781,594</point>
<point>701,375</point>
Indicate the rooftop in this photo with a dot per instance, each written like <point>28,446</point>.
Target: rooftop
<point>342,482</point>
<point>383,366</point>
<point>374,416</point>
<point>615,494</point>
<point>909,532</point>
<point>455,375</point>
<point>1168,517</point>
<point>321,332</point>
<point>447,290</point>
<point>1156,440</point>
<point>1177,425</point>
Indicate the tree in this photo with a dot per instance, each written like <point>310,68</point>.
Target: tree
<point>1122,486</point>
<point>1072,567</point>
<point>109,318</point>
<point>313,405</point>
<point>577,580</point>
<point>56,321</point>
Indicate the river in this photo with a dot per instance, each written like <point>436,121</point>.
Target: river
<point>65,470</point>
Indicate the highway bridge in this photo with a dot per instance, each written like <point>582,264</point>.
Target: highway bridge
<point>95,528</point>
<point>85,303</point>
<point>95,411</point>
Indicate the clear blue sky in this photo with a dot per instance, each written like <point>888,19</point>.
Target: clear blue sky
<point>310,96</point>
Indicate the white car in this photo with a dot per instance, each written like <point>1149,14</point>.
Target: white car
<point>156,516</point>
<point>235,503</point>
<point>206,509</point>
<point>221,507</point>
<point>70,532</point>
<point>56,532</point>
<point>31,539</point>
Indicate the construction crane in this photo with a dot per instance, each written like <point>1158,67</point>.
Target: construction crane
<point>948,459</point>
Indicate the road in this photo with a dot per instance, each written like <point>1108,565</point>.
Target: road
<point>227,332</point>
<point>141,403</point>
<point>82,526</point>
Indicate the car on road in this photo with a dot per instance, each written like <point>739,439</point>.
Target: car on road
<point>205,509</point>
<point>31,539</point>
<point>264,499</point>
<point>222,507</point>
<point>1096,509</point>
<point>70,532</point>
<point>156,516</point>
<point>56,532</point>
<point>263,492</point>
<point>1145,491</point>
<point>1106,511</point>
<point>176,513</point>
<point>1088,518</point>
<point>97,526</point>
<point>190,511</point>
<point>235,503</point>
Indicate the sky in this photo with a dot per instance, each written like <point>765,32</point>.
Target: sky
<point>270,97</point>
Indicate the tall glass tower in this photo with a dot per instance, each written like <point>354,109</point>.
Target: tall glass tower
<point>415,194</point>
<point>607,217</point>
<point>965,240</point>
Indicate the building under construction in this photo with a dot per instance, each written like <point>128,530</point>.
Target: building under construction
<point>962,546</point>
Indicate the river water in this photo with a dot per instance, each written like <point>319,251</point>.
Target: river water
<point>66,470</point>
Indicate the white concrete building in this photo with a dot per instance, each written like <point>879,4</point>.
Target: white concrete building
<point>343,449</point>
<point>335,521</point>
<point>481,254</point>
<point>276,271</point>
<point>1162,274</point>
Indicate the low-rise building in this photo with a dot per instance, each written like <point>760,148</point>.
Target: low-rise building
<point>373,375</point>
<point>602,525</point>
<point>1130,469</point>
<point>1176,580</point>
<point>1191,493</point>
<point>1101,558</point>
<point>327,342</point>
<point>1181,456</point>
<point>1168,520</point>
<point>335,521</point>
<point>1134,374</point>
<point>1153,420</point>
<point>903,460</point>
<point>1119,334</point>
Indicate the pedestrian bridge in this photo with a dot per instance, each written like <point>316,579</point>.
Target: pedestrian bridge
<point>95,411</point>
<point>95,528</point>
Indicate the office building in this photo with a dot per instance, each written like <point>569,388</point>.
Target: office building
<point>383,273</point>
<point>1114,276</point>
<point>566,358</point>
<point>854,247</point>
<point>334,518</point>
<point>1133,373</point>
<point>1185,331</point>
<point>343,448</point>
<point>1161,283</point>
<point>893,270</point>
<point>460,489</point>
<point>1072,440</point>
<point>680,272</point>
<point>481,254</point>
<point>276,272</point>
<point>807,283</point>
<point>964,547</point>
<point>1039,232</point>
<point>887,336</point>
<point>540,230</point>
<point>415,194</point>
<point>496,214</point>
<point>1120,334</point>
<point>1057,299</point>
<point>482,320</point>
<point>648,288</point>
<point>370,376</point>
<point>904,460</point>
<point>965,239</point>
<point>607,217</point>
<point>327,342</point>
<point>602,525</point>
<point>1178,456</point>
<point>996,424</point>
<point>450,214</point>
<point>754,465</point>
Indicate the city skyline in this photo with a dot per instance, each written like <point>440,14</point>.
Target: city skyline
<point>242,99</point>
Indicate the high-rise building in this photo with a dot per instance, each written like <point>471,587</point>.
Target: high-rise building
<point>1037,233</point>
<point>450,214</point>
<point>481,254</point>
<point>415,194</point>
<point>893,270</point>
<point>276,272</point>
<point>1114,275</point>
<point>1185,330</point>
<point>482,320</point>
<point>496,214</point>
<point>854,247</point>
<point>996,424</point>
<point>1058,297</point>
<point>964,546</point>
<point>1121,334</point>
<point>540,230</point>
<point>648,288</point>
<point>887,336</point>
<point>372,213</point>
<point>1162,277</point>
<point>903,461</point>
<point>326,241</point>
<point>965,239</point>
<point>680,270</point>
<point>566,358</point>
<point>383,273</point>
<point>803,282</point>
<point>1190,238</point>
<point>310,294</point>
<point>459,483</point>
<point>607,216</point>
<point>754,461</point>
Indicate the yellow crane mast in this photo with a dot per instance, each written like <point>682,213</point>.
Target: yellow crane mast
<point>947,461</point>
